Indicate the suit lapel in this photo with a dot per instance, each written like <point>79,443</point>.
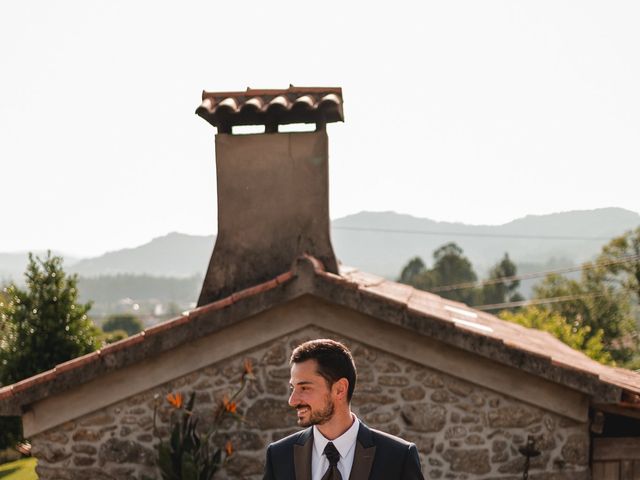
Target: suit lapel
<point>302,455</point>
<point>364,454</point>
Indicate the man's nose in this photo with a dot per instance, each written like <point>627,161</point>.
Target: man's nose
<point>293,399</point>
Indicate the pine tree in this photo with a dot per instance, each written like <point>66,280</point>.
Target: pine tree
<point>45,324</point>
<point>504,291</point>
<point>450,267</point>
<point>412,271</point>
<point>41,326</point>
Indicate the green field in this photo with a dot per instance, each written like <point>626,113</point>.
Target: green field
<point>24,469</point>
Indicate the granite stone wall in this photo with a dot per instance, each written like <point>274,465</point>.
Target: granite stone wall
<point>462,430</point>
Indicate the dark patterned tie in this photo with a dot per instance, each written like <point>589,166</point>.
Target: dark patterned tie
<point>332,454</point>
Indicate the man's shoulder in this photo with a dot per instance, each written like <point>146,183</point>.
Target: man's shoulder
<point>395,456</point>
<point>290,440</point>
<point>386,440</point>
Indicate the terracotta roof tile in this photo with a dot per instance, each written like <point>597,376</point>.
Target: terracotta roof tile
<point>427,303</point>
<point>278,107</point>
<point>119,345</point>
<point>217,305</point>
<point>169,324</point>
<point>317,264</point>
<point>285,277</point>
<point>562,362</point>
<point>339,279</point>
<point>75,363</point>
<point>6,392</point>
<point>622,377</point>
<point>35,380</point>
<point>364,279</point>
<point>396,291</point>
<point>251,291</point>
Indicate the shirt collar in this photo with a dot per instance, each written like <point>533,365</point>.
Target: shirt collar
<point>344,443</point>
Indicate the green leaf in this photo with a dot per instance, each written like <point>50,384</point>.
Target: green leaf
<point>191,402</point>
<point>188,469</point>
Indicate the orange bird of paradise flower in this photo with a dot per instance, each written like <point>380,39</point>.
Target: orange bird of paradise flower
<point>248,370</point>
<point>175,399</point>
<point>228,448</point>
<point>230,407</point>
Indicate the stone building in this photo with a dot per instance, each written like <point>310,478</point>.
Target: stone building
<point>473,392</point>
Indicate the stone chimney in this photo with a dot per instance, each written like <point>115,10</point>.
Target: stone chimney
<point>273,188</point>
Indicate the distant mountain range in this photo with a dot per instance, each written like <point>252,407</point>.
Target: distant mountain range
<point>534,241</point>
<point>381,243</point>
<point>12,265</point>
<point>174,255</point>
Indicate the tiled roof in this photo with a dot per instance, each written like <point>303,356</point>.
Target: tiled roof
<point>525,339</point>
<point>451,322</point>
<point>271,107</point>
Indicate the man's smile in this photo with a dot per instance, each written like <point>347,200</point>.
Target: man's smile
<point>302,410</point>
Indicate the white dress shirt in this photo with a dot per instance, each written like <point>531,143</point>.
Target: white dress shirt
<point>346,446</point>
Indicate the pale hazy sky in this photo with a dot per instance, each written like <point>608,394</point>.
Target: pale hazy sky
<point>470,111</point>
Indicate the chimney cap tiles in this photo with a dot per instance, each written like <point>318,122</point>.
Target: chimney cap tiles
<point>319,105</point>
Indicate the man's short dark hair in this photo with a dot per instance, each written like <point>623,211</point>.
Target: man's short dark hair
<point>334,361</point>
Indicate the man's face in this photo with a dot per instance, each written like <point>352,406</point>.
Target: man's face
<point>310,394</point>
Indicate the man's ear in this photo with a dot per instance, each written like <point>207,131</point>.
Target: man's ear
<point>341,388</point>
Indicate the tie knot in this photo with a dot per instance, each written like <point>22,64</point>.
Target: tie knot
<point>332,454</point>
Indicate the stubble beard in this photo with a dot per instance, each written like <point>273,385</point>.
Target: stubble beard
<point>320,416</point>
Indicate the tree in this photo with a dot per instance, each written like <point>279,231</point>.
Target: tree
<point>620,259</point>
<point>42,326</point>
<point>412,270</point>
<point>113,337</point>
<point>504,291</point>
<point>618,267</point>
<point>45,324</point>
<point>577,337</point>
<point>602,298</point>
<point>126,321</point>
<point>450,267</point>
<point>593,302</point>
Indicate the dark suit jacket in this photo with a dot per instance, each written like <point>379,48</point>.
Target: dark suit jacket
<point>378,456</point>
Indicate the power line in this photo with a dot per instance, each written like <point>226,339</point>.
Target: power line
<point>527,276</point>
<point>539,301</point>
<point>468,234</point>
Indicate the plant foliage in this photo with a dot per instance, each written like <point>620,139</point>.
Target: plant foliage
<point>578,337</point>
<point>123,321</point>
<point>190,452</point>
<point>41,326</point>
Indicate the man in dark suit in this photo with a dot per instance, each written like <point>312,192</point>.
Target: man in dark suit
<point>336,445</point>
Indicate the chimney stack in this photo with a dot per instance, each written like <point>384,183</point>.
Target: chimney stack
<point>273,188</point>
